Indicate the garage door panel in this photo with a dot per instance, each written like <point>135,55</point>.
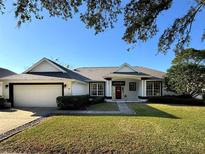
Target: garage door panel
<point>36,95</point>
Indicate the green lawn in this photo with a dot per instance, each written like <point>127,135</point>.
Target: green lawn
<point>155,129</point>
<point>103,107</point>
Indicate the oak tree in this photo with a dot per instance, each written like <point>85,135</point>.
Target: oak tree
<point>187,74</point>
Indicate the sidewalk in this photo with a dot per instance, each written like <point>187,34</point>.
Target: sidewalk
<point>124,109</point>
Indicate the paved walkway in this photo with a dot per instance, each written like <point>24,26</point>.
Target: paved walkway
<point>124,109</point>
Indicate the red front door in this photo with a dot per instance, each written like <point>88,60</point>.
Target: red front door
<point>118,92</point>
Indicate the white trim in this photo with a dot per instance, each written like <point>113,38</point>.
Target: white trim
<point>145,83</point>
<point>97,87</point>
<point>39,62</point>
<point>153,88</point>
<point>126,64</point>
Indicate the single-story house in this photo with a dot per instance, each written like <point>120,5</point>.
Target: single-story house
<point>40,84</point>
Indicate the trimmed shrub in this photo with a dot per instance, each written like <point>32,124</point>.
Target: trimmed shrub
<point>96,100</point>
<point>2,102</point>
<point>72,102</point>
<point>143,97</point>
<point>203,96</point>
<point>175,100</point>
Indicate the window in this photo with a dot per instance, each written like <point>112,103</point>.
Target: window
<point>149,88</point>
<point>97,89</point>
<point>93,89</point>
<point>153,88</point>
<point>132,86</point>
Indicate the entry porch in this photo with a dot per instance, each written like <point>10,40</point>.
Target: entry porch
<point>129,88</point>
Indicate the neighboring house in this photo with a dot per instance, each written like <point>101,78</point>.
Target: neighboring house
<point>39,85</point>
<point>3,73</point>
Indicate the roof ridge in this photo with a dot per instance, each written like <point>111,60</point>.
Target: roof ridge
<point>152,69</point>
<point>97,66</point>
<point>104,67</point>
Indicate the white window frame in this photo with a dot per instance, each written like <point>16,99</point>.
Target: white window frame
<point>135,86</point>
<point>153,88</point>
<point>97,88</point>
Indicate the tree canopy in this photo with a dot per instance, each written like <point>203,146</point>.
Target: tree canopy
<point>140,17</point>
<point>190,56</point>
<point>186,79</point>
<point>187,73</point>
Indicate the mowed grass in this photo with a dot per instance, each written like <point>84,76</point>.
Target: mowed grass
<point>104,107</point>
<point>155,129</point>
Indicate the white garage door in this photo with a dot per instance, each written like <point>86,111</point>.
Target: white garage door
<point>36,95</point>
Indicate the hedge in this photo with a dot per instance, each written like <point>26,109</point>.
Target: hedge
<point>96,100</point>
<point>72,102</point>
<point>2,102</point>
<point>175,100</point>
<point>77,102</point>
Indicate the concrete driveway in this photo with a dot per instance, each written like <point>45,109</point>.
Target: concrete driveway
<point>13,118</point>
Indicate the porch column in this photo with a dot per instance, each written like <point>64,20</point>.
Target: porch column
<point>143,87</point>
<point>108,88</point>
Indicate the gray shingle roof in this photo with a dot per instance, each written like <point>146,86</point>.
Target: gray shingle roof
<point>98,73</point>
<point>81,74</point>
<point>68,73</point>
<point>5,72</point>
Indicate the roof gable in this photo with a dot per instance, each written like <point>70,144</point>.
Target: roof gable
<point>125,68</point>
<point>44,65</point>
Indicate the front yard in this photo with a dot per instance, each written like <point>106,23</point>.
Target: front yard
<point>155,129</point>
<point>103,107</point>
